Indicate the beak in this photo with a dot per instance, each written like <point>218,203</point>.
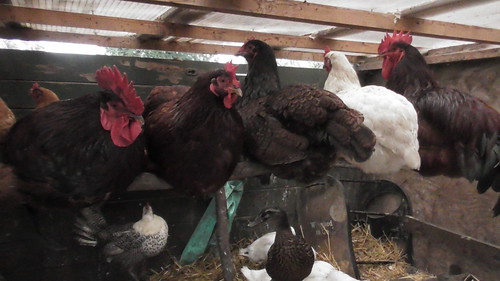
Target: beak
<point>236,91</point>
<point>139,118</point>
<point>255,222</point>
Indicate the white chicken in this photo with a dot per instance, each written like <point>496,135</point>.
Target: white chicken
<point>257,251</point>
<point>390,116</point>
<point>321,271</point>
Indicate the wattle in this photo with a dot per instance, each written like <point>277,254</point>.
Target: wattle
<point>123,130</point>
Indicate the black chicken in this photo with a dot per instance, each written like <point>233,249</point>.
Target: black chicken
<point>195,138</point>
<point>458,133</point>
<point>77,152</point>
<point>298,131</point>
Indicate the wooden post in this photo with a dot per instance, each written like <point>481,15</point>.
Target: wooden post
<point>222,232</point>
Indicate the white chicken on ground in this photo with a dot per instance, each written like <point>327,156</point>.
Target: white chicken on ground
<point>257,251</point>
<point>321,271</point>
<point>390,116</point>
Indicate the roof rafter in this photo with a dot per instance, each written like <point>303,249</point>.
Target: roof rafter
<point>134,43</point>
<point>336,16</point>
<point>47,17</point>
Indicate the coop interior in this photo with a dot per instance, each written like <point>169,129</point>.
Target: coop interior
<point>405,224</point>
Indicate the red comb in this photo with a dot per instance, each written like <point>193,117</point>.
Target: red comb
<point>388,40</point>
<point>111,79</point>
<point>250,39</point>
<point>35,86</point>
<point>327,50</point>
<point>231,68</point>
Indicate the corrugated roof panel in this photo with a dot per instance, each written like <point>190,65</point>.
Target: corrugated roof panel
<point>248,23</point>
<point>381,6</point>
<point>113,8</point>
<point>480,13</point>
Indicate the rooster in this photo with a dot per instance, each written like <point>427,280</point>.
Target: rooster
<point>42,96</point>
<point>458,133</point>
<point>130,244</point>
<point>298,131</point>
<point>77,152</point>
<point>195,138</point>
<point>389,115</point>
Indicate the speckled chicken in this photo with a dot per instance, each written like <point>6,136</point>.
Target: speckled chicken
<point>290,257</point>
<point>129,244</point>
<point>389,115</point>
<point>299,131</point>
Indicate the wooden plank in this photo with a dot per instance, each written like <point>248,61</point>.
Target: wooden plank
<point>343,17</point>
<point>435,58</point>
<point>57,18</point>
<point>273,39</point>
<point>133,43</point>
<point>40,16</point>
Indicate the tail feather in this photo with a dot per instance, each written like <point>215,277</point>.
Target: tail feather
<point>86,242</point>
<point>89,225</point>
<point>346,131</point>
<point>496,209</point>
<point>489,176</point>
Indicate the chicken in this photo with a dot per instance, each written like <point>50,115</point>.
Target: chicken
<point>162,94</point>
<point>390,116</point>
<point>79,151</point>
<point>321,271</point>
<point>290,257</point>
<point>195,139</point>
<point>76,152</point>
<point>298,131</point>
<point>7,120</point>
<point>257,251</point>
<point>458,133</point>
<point>128,245</point>
<point>42,96</point>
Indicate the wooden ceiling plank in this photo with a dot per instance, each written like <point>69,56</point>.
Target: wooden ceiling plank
<point>336,16</point>
<point>38,16</point>
<point>57,18</point>
<point>231,35</point>
<point>376,62</point>
<point>133,43</point>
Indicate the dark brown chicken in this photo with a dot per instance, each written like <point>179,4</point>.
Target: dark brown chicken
<point>162,94</point>
<point>458,133</point>
<point>299,131</point>
<point>195,139</point>
<point>42,96</point>
<point>76,152</point>
<point>290,257</point>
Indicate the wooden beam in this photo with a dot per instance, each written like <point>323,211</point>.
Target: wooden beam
<point>440,56</point>
<point>133,43</point>
<point>57,18</point>
<point>336,16</point>
<point>39,16</point>
<point>280,40</point>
